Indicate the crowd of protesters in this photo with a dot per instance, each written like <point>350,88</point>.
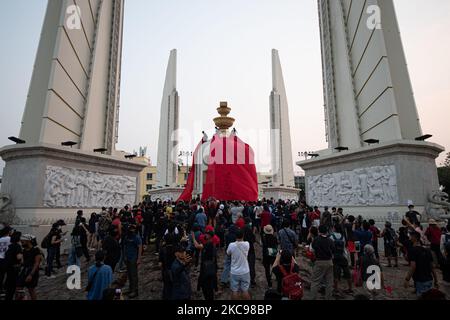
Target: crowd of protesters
<point>192,236</point>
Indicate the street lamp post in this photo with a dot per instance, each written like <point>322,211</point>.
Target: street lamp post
<point>305,154</point>
<point>187,154</point>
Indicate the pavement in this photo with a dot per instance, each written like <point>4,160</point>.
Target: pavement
<point>150,283</point>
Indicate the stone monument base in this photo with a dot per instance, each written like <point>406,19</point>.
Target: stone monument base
<point>45,183</point>
<point>166,193</point>
<point>283,193</point>
<point>374,181</point>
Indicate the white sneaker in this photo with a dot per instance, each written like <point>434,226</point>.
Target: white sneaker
<point>51,277</point>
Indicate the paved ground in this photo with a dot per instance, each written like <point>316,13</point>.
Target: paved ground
<point>150,285</point>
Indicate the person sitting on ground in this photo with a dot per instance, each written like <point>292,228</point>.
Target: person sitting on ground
<point>368,261</point>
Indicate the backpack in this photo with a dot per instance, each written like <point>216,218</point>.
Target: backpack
<point>391,237</point>
<point>339,244</point>
<point>46,241</point>
<point>291,286</point>
<point>104,224</point>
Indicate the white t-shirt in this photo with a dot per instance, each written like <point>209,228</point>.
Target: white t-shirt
<point>258,211</point>
<point>238,251</point>
<point>236,213</point>
<point>4,244</point>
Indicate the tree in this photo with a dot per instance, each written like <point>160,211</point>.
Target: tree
<point>444,174</point>
<point>447,161</point>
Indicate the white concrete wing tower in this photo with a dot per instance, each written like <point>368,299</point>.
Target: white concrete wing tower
<point>75,87</point>
<point>168,137</point>
<point>367,89</point>
<point>280,136</point>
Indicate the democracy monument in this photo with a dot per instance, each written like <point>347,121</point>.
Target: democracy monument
<point>377,161</point>
<point>64,159</point>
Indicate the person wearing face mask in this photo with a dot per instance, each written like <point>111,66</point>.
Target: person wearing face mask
<point>29,275</point>
<point>55,240</point>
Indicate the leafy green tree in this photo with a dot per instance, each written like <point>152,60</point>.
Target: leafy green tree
<point>447,161</point>
<point>444,174</point>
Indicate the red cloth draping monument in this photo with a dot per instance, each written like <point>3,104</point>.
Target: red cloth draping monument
<point>231,173</point>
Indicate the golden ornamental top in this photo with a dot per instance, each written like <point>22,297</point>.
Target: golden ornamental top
<point>224,122</point>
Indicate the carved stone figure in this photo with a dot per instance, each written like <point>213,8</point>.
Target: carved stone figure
<point>73,188</point>
<point>360,187</point>
<point>438,206</point>
<point>7,213</point>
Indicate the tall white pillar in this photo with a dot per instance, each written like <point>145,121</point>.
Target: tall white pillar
<point>75,86</point>
<point>167,168</point>
<point>280,134</point>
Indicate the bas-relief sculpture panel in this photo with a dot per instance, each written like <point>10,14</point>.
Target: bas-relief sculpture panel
<point>359,187</point>
<point>74,188</point>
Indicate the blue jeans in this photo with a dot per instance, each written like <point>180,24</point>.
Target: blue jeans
<point>240,282</point>
<point>422,287</point>
<point>225,278</point>
<point>73,258</point>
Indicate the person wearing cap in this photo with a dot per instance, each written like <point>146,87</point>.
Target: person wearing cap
<point>412,214</point>
<point>29,275</point>
<point>269,251</point>
<point>421,270</point>
<point>5,241</point>
<point>433,234</point>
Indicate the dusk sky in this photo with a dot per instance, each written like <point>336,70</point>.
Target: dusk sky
<point>224,50</point>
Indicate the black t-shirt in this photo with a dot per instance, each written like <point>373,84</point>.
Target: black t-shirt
<point>424,260</point>
<point>29,256</point>
<point>269,241</point>
<point>412,216</point>
<point>250,237</point>
<point>349,235</point>
<point>11,255</point>
<point>56,234</point>
<point>323,248</point>
<point>167,256</point>
<point>112,248</point>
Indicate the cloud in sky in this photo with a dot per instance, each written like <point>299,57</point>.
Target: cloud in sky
<point>224,52</point>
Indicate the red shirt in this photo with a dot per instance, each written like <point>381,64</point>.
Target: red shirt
<point>375,233</point>
<point>266,218</point>
<point>117,225</point>
<point>433,234</point>
<point>215,240</point>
